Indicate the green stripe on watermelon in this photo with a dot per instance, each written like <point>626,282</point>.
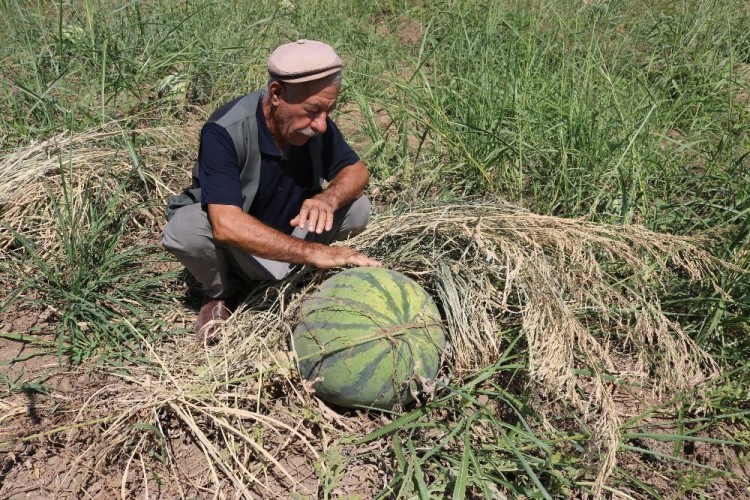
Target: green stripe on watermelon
<point>338,343</point>
<point>350,306</point>
<point>387,296</point>
<point>353,391</point>
<point>385,292</point>
<point>368,362</point>
<point>391,378</point>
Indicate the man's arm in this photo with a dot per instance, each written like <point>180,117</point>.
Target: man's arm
<point>317,212</point>
<point>233,226</point>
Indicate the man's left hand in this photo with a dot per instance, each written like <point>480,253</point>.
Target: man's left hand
<point>316,214</point>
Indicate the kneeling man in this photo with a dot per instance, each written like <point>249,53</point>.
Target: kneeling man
<point>257,205</point>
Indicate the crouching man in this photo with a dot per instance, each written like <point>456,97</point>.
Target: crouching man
<point>256,206</point>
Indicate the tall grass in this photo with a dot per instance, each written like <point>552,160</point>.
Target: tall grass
<point>618,110</point>
<point>621,111</point>
<point>73,66</point>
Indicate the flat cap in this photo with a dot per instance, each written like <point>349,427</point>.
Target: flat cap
<point>303,61</point>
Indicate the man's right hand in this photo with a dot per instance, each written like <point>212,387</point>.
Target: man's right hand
<point>328,257</point>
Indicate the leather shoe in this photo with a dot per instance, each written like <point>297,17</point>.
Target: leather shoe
<point>211,317</point>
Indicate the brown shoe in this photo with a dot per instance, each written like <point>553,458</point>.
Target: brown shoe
<point>211,317</point>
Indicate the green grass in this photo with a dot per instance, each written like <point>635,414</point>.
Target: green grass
<point>477,439</point>
<point>94,278</point>
<point>623,111</point>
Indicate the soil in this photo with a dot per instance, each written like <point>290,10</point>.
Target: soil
<point>23,363</point>
<point>51,465</point>
<point>41,461</point>
<point>727,467</point>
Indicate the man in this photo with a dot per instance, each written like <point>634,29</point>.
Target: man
<point>257,206</point>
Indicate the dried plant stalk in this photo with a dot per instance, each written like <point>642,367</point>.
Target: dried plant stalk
<point>586,295</point>
<point>581,291</point>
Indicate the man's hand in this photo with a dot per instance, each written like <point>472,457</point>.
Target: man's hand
<point>329,257</point>
<point>233,226</point>
<point>316,213</point>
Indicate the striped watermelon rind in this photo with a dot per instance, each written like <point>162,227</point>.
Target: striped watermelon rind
<point>367,337</point>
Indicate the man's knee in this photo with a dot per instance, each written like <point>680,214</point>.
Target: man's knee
<point>356,216</point>
<point>188,232</point>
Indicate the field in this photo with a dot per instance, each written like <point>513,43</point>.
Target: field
<point>570,181</point>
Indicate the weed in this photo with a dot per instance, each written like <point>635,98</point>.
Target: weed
<point>98,276</point>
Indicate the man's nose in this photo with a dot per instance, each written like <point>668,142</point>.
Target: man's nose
<point>319,124</point>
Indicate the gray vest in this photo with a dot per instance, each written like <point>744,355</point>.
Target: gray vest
<point>241,124</point>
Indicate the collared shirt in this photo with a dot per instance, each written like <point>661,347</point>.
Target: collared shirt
<point>284,182</point>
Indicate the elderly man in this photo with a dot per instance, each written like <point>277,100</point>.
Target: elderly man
<point>257,205</point>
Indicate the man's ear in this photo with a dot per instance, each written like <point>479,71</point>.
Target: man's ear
<point>275,89</point>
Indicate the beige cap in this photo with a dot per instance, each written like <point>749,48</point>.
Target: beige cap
<point>303,61</point>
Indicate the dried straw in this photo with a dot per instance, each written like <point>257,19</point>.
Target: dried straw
<point>29,174</point>
<point>586,295</point>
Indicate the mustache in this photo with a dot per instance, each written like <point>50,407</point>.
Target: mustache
<point>308,132</point>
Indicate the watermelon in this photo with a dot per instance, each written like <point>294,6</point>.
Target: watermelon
<point>367,337</point>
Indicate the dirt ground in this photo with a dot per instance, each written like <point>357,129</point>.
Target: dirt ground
<point>52,464</point>
<point>42,460</point>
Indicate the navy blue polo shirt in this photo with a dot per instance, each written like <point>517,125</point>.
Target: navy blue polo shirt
<point>284,182</point>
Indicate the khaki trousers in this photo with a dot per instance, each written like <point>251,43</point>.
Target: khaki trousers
<point>189,237</point>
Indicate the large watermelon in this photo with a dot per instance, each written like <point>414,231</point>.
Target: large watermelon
<point>367,336</point>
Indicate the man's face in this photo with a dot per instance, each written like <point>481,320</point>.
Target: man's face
<point>301,110</point>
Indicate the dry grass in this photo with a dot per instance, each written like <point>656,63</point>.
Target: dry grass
<point>103,155</point>
<point>232,421</point>
<point>584,294</point>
